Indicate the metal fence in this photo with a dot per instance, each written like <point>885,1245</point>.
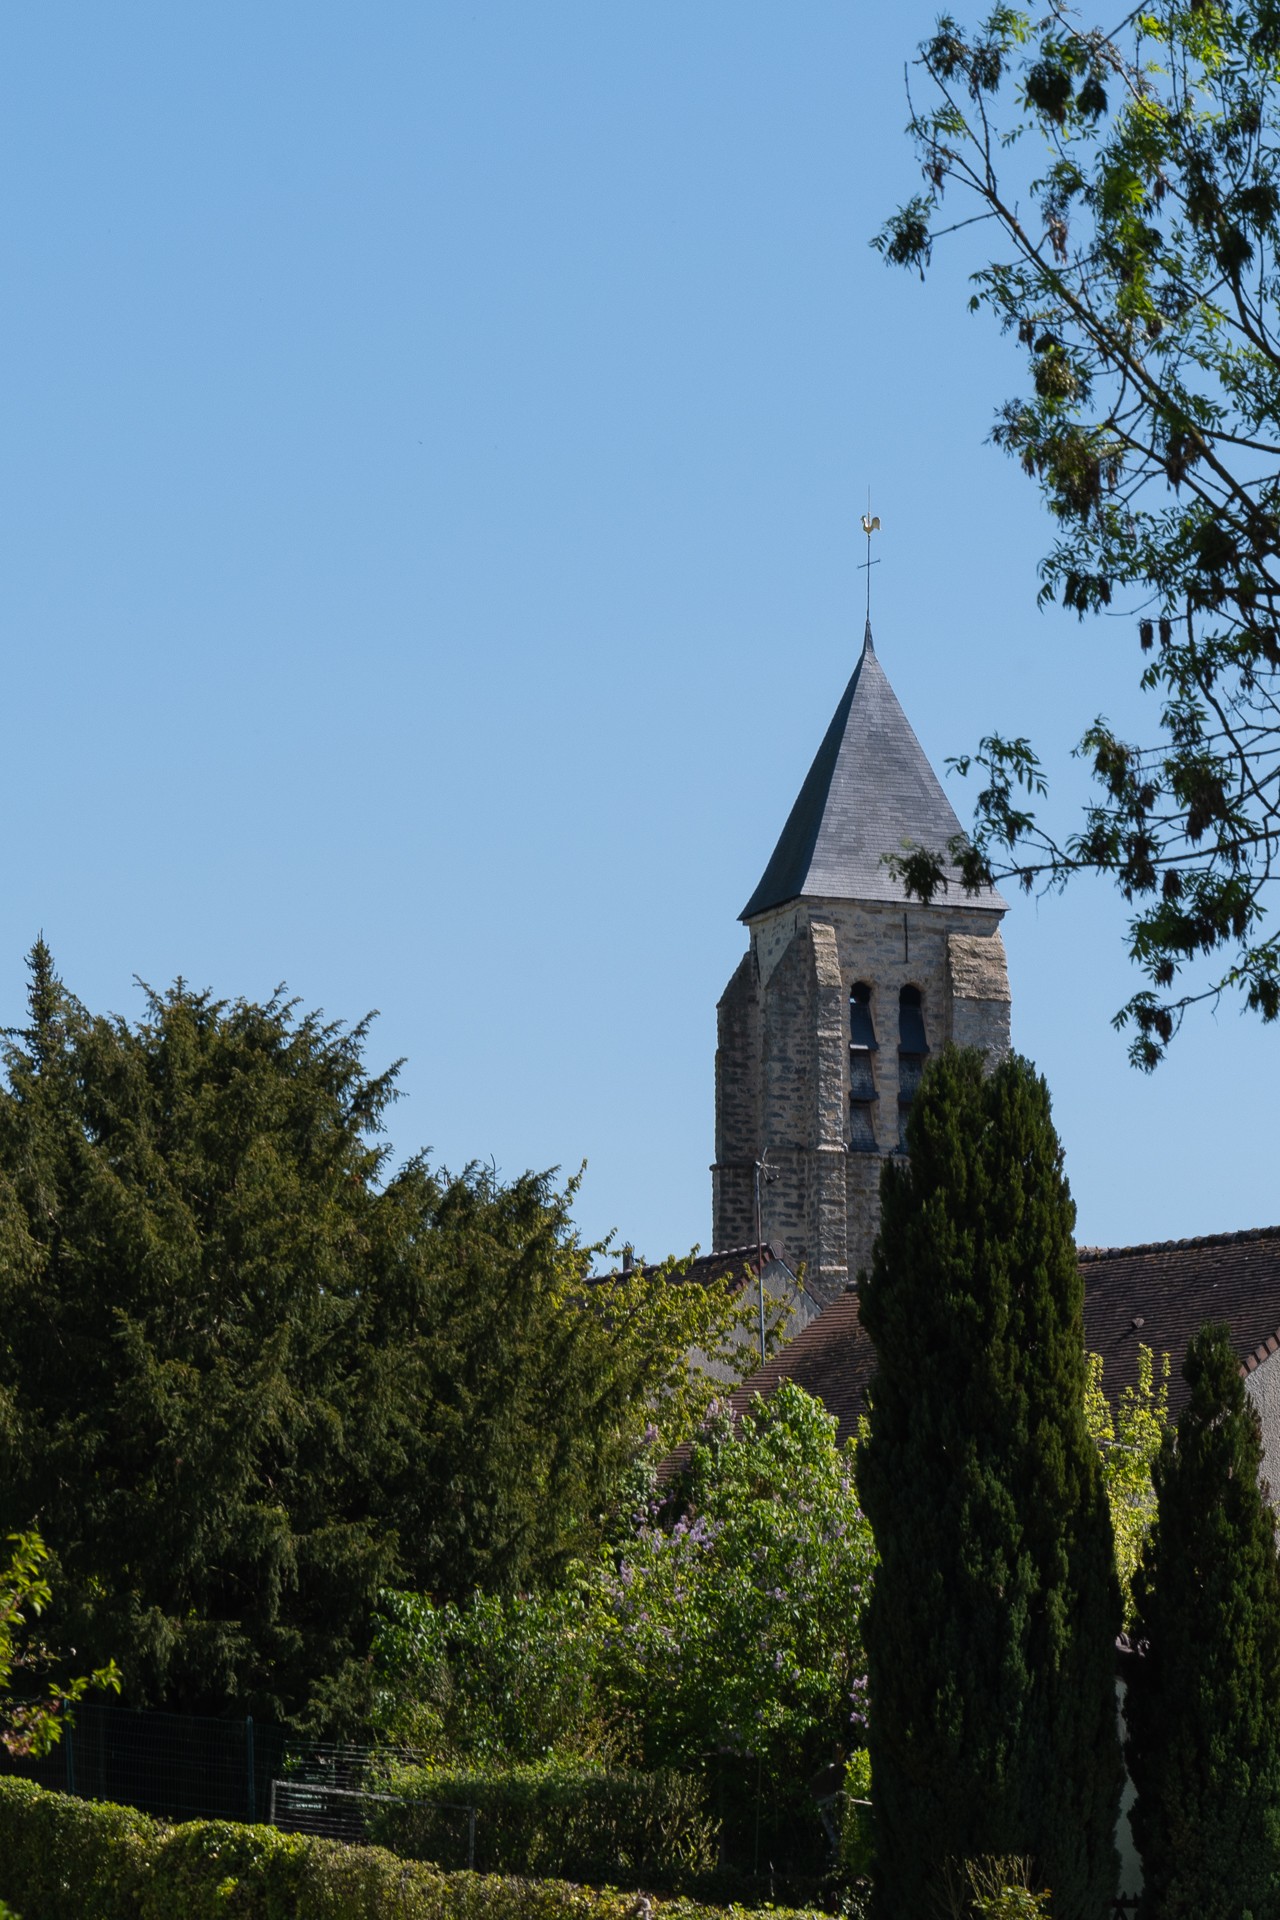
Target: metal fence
<point>350,1814</point>
<point>188,1767</point>
<point>181,1766</point>
<point>178,1766</point>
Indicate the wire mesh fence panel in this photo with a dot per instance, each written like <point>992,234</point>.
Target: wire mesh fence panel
<point>356,1816</point>
<point>333,1764</point>
<point>176,1766</point>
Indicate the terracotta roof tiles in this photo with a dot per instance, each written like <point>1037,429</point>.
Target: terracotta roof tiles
<point>1158,1295</point>
<point>832,1358</point>
<point>1154,1296</point>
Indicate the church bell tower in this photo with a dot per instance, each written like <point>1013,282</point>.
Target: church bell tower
<point>846,988</point>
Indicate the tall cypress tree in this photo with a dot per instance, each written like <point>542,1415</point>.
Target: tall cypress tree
<point>991,1631</point>
<point>1203,1700</point>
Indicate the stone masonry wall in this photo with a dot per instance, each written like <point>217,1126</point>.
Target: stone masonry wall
<point>827,1256</point>
<point>782,1065</point>
<point>787,1020</point>
<point>979,980</point>
<point>1263,1388</point>
<point>738,1094</point>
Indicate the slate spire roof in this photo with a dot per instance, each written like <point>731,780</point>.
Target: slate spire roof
<point>869,790</point>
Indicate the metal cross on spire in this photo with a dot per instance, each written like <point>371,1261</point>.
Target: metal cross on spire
<point>870,525</point>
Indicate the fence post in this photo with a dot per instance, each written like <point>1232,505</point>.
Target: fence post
<point>251,1782</point>
<point>271,1816</point>
<point>471,1839</point>
<point>71,1761</point>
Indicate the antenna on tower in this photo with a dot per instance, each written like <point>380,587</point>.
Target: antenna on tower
<point>870,525</point>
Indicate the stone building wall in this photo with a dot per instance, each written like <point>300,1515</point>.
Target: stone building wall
<point>1263,1387</point>
<point>788,1309</point>
<point>782,1064</point>
<point>738,1094</point>
<point>787,1069</point>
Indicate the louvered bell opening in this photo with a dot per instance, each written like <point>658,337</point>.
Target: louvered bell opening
<point>862,1073</point>
<point>911,1034</point>
<point>910,1067</point>
<point>862,1078</point>
<point>862,1031</point>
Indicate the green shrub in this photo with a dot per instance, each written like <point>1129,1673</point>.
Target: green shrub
<point>495,1682</point>
<point>217,1870</point>
<point>857,1836</point>
<point>556,1821</point>
<point>66,1859</point>
<point>993,1886</point>
<point>727,1624</point>
<point>1001,1889</point>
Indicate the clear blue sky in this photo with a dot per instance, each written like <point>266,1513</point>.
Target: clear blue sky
<point>433,440</point>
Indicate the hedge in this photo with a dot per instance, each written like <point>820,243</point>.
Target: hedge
<point>68,1859</point>
<point>556,1821</point>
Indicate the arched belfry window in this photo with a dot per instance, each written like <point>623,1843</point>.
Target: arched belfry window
<point>862,1073</point>
<point>913,1049</point>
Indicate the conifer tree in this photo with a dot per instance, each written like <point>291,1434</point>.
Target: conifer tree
<point>991,1630</point>
<point>250,1374</point>
<point>1203,1699</point>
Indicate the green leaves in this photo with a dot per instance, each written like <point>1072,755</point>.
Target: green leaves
<point>904,240</point>
<point>1138,271</point>
<point>725,1622</point>
<point>992,1720</point>
<point>1128,1438</point>
<point>1203,1690</point>
<point>250,1373</point>
<point>1049,87</point>
<point>32,1721</point>
<point>740,1623</point>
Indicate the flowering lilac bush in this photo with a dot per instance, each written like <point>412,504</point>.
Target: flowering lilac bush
<point>726,1627</point>
<point>737,1626</point>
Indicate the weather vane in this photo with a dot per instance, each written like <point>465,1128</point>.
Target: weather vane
<point>870,525</point>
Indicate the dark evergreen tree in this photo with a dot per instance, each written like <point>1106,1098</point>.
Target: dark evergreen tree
<point>991,1631</point>
<point>249,1375</point>
<point>1203,1698</point>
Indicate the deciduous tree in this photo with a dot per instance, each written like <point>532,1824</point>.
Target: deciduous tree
<point>1127,179</point>
<point>35,1703</point>
<point>722,1630</point>
<point>1128,1436</point>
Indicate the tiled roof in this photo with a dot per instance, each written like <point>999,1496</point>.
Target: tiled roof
<point>1158,1295</point>
<point>869,790</point>
<point>832,1358</point>
<point>1153,1295</point>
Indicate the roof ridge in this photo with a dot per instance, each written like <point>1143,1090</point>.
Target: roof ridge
<point>1261,1353</point>
<point>1168,1246</point>
<point>733,1253</point>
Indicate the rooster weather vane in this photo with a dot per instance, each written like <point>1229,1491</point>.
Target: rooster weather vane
<point>870,525</point>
